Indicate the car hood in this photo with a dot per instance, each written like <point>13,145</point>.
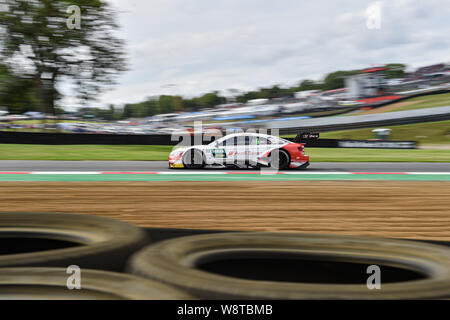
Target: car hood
<point>183,149</point>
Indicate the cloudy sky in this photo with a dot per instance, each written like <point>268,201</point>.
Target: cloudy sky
<point>203,45</point>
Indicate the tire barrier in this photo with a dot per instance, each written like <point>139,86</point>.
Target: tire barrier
<point>296,266</point>
<point>51,284</point>
<point>60,240</point>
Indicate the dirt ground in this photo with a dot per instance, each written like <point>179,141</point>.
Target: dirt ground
<point>386,209</point>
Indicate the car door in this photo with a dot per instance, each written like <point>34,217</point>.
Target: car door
<point>225,152</point>
<point>258,147</point>
<point>242,149</point>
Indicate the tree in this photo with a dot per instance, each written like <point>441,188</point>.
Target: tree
<point>395,70</point>
<point>191,104</point>
<point>151,107</point>
<point>308,85</point>
<point>37,43</point>
<point>16,94</point>
<point>336,80</point>
<point>210,100</point>
<point>127,111</point>
<point>248,96</point>
<point>165,104</point>
<point>178,103</point>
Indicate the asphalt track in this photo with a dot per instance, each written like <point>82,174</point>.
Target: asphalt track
<point>91,171</point>
<point>162,166</point>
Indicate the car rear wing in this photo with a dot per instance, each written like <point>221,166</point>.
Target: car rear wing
<point>307,137</point>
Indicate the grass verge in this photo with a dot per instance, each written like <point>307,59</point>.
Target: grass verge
<point>377,155</point>
<point>432,101</point>
<point>142,153</point>
<point>82,152</point>
<point>424,133</point>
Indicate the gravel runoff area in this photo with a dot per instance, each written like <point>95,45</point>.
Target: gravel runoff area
<point>372,208</point>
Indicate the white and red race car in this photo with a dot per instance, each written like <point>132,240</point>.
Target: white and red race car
<point>242,150</point>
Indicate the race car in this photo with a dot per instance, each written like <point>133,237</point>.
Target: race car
<point>244,150</point>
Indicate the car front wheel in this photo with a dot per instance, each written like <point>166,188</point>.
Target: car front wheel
<point>193,159</point>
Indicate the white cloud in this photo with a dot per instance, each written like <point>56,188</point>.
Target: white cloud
<point>220,44</point>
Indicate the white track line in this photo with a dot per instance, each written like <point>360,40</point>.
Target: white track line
<point>65,172</point>
<point>319,172</point>
<point>434,173</point>
<point>191,173</point>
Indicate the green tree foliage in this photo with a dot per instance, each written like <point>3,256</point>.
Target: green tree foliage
<point>178,104</point>
<point>395,70</point>
<point>165,104</point>
<point>336,80</point>
<point>210,100</point>
<point>17,94</point>
<point>248,96</point>
<point>191,104</point>
<point>309,85</point>
<point>39,45</point>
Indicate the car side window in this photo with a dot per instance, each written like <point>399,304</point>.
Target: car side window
<point>256,141</point>
<point>229,142</point>
<point>242,140</point>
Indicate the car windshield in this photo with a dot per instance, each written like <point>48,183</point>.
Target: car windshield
<point>277,140</point>
<point>253,140</point>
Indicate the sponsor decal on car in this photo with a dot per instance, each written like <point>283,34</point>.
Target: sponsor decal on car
<point>219,153</point>
<point>177,165</point>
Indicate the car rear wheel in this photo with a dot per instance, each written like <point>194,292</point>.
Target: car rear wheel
<point>193,159</point>
<point>279,159</point>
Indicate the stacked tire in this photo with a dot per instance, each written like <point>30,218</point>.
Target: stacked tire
<point>51,284</point>
<point>36,250</point>
<point>60,240</point>
<point>296,266</point>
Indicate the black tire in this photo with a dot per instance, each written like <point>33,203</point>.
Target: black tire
<point>51,284</point>
<point>193,159</point>
<point>60,240</point>
<point>279,159</point>
<point>296,266</point>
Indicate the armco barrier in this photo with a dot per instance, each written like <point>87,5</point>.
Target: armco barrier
<point>73,139</point>
<point>366,144</point>
<point>377,144</point>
